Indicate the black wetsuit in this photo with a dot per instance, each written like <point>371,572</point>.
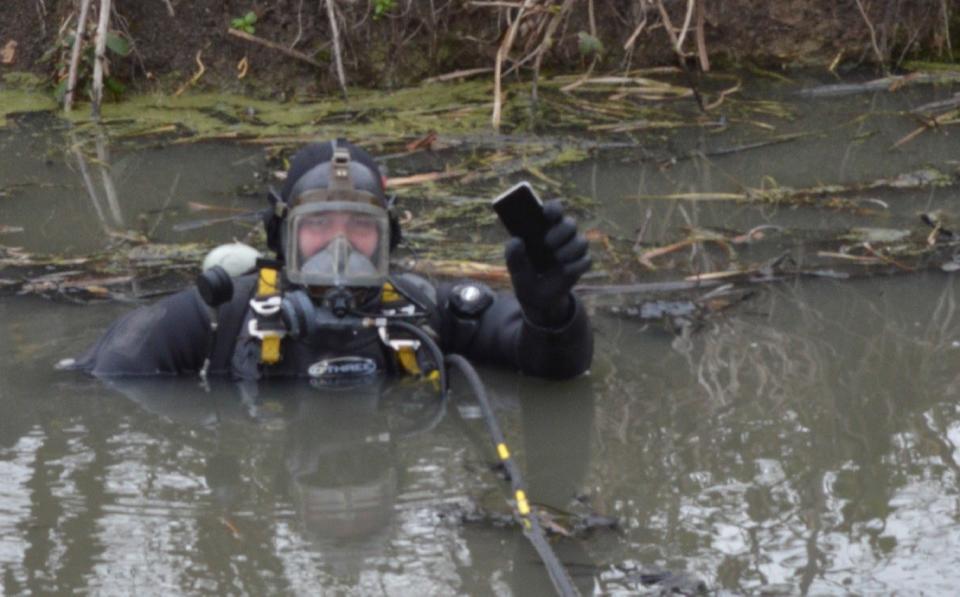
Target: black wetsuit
<point>174,337</point>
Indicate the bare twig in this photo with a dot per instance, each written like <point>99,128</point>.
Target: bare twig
<point>596,58</point>
<point>946,28</point>
<point>75,55</point>
<point>701,37</point>
<point>632,40</point>
<point>668,25</point>
<point>460,74</point>
<point>296,39</point>
<point>686,25</point>
<point>502,53</point>
<point>42,13</point>
<point>547,42</point>
<point>273,46</point>
<point>196,77</point>
<point>945,118</point>
<point>99,62</point>
<point>335,34</point>
<point>873,35</point>
<point>170,10</point>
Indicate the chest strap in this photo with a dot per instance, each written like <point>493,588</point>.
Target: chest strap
<point>392,301</point>
<point>266,324</point>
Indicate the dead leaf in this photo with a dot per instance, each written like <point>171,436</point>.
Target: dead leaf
<point>9,52</point>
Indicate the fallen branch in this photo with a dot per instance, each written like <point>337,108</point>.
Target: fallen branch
<point>459,74</point>
<point>946,118</point>
<point>892,83</point>
<point>695,197</point>
<point>415,179</point>
<point>457,269</point>
<point>273,46</point>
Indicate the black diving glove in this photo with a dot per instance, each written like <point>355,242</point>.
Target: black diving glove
<point>545,295</point>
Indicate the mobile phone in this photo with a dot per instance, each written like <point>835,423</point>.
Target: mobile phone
<point>521,212</point>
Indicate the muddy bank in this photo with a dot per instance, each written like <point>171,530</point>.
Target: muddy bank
<point>391,43</point>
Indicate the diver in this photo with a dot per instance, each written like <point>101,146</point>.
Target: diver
<point>321,309</point>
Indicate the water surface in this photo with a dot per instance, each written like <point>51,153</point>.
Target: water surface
<point>806,442</point>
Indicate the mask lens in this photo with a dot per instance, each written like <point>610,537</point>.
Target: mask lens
<point>316,232</point>
<point>339,243</point>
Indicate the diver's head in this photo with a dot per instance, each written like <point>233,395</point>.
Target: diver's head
<point>334,229</point>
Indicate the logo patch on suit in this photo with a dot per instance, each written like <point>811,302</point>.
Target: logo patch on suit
<point>343,371</point>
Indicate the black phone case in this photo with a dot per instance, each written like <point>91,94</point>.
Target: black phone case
<point>521,212</point>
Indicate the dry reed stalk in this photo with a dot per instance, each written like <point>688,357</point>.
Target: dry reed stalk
<point>75,55</point>
<point>337,55</point>
<point>547,42</point>
<point>502,53</point>
<point>686,25</point>
<point>100,61</point>
<point>701,37</point>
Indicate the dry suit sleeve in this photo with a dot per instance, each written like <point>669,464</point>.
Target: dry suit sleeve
<point>498,333</point>
<point>169,337</point>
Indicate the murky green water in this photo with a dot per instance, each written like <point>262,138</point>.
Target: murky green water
<point>806,442</point>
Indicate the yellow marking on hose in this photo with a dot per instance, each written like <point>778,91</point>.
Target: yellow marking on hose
<point>522,506</point>
<point>503,451</point>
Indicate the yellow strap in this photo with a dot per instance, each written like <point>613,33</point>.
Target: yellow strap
<point>270,345</point>
<point>267,282</point>
<point>408,360</point>
<point>270,350</point>
<point>389,294</point>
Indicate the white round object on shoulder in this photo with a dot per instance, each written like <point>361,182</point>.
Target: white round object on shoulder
<point>236,258</point>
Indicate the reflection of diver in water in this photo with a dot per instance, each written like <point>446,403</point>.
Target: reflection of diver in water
<point>339,458</point>
<point>340,465</point>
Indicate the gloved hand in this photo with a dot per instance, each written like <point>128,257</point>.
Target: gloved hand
<point>545,295</point>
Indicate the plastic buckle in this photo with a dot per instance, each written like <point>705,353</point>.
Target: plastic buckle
<point>395,344</point>
<point>254,329</point>
<point>266,307</point>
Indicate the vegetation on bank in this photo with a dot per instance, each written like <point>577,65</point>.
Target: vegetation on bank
<point>293,48</point>
<point>573,72</point>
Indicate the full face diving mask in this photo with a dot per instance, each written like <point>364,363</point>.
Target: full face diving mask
<point>336,236</point>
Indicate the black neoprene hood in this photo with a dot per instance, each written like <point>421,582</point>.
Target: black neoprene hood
<point>310,169</point>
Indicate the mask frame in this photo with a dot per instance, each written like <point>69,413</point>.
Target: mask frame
<point>321,201</point>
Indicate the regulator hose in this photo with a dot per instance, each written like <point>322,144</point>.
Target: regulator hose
<point>532,530</point>
<point>562,583</point>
